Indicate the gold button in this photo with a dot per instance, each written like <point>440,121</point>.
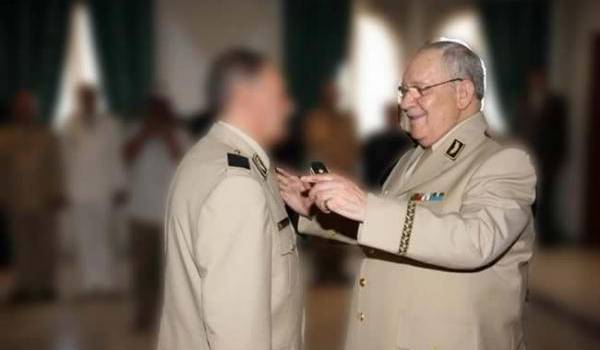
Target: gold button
<point>362,282</point>
<point>361,316</point>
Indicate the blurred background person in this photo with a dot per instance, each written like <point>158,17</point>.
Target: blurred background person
<point>330,136</point>
<point>330,133</point>
<point>545,128</point>
<point>95,184</point>
<point>32,192</point>
<point>152,154</point>
<point>200,123</point>
<point>382,149</point>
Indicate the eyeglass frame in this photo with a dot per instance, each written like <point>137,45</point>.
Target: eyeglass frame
<point>420,90</point>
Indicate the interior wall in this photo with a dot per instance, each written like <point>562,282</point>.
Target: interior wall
<point>190,33</point>
<point>574,27</point>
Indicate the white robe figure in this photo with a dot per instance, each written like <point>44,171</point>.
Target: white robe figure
<point>95,173</point>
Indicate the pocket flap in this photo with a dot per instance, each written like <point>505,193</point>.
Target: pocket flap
<point>286,237</point>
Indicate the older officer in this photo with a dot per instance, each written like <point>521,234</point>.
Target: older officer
<point>232,277</point>
<point>448,240</point>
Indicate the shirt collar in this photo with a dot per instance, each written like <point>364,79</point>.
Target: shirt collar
<point>249,140</point>
<point>439,142</point>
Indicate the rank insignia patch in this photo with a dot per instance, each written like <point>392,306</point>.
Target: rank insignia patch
<point>237,160</point>
<point>455,148</point>
<point>260,165</point>
<point>428,197</point>
<point>283,224</point>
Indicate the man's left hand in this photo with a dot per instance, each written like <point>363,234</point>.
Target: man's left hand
<point>334,193</point>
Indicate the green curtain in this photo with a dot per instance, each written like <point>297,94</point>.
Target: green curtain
<point>33,35</point>
<point>316,37</point>
<point>315,44</point>
<point>123,33</point>
<point>518,34</point>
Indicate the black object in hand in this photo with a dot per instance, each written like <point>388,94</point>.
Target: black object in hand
<point>318,168</point>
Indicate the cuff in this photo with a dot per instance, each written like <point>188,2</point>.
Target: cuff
<point>388,224</point>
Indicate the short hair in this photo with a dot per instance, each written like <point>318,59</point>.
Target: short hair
<point>228,68</point>
<point>462,62</point>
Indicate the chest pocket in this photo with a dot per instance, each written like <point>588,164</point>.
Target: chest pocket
<point>286,238</point>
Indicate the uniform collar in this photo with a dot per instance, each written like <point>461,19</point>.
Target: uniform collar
<point>457,127</point>
<point>241,141</point>
<point>456,144</point>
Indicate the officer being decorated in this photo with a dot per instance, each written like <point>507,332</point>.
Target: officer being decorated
<point>448,239</point>
<point>232,276</point>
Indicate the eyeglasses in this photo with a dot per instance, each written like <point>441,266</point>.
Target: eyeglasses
<point>404,90</point>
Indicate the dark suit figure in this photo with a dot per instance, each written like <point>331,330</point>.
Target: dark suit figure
<point>545,129</point>
<point>383,149</point>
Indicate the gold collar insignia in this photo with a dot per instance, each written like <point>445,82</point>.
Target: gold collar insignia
<point>262,169</point>
<point>455,148</point>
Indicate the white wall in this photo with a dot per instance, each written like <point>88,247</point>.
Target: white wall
<point>190,33</point>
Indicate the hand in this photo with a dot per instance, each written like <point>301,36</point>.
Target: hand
<point>334,193</point>
<point>294,192</point>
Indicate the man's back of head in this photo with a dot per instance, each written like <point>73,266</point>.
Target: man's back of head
<point>246,90</point>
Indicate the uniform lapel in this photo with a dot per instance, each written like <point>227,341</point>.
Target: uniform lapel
<point>397,178</point>
<point>456,145</point>
<point>435,164</point>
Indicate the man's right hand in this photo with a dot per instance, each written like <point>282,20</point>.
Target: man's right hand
<point>294,192</point>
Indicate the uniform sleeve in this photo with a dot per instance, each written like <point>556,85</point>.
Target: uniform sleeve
<point>336,228</point>
<point>234,248</point>
<point>496,209</point>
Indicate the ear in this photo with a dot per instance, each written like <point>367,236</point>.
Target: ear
<point>465,93</point>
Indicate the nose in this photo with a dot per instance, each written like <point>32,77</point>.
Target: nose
<point>408,100</point>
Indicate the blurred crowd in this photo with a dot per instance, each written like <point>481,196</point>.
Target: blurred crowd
<point>70,184</point>
<point>76,180</point>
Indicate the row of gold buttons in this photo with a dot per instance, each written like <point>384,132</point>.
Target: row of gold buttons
<point>362,282</point>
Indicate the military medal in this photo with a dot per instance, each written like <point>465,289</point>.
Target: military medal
<point>428,196</point>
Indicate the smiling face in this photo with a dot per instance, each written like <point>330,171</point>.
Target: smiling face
<point>438,109</point>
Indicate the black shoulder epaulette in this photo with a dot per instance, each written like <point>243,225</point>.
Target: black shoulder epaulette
<point>238,161</point>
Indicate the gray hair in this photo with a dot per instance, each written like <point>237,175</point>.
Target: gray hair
<point>461,62</point>
<point>233,65</point>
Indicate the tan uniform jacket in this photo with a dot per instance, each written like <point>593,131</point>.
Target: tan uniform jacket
<point>232,276</point>
<point>447,248</point>
<point>31,169</point>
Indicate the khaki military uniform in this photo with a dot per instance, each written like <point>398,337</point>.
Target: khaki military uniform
<point>232,276</point>
<point>447,247</point>
<point>31,187</point>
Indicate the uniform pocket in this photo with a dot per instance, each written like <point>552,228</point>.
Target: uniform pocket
<point>286,237</point>
<point>288,256</point>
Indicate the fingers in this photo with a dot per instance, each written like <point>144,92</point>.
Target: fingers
<point>323,199</point>
<point>292,183</point>
<point>318,178</point>
<point>318,188</point>
<point>284,172</point>
<point>284,180</point>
